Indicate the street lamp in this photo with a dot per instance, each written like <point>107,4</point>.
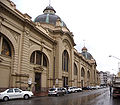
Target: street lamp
<point>118,62</point>
<point>114,57</point>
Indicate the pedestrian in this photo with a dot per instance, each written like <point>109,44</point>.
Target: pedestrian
<point>110,89</point>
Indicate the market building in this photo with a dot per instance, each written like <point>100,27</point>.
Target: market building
<point>40,53</point>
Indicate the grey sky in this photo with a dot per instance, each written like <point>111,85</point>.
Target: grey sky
<point>95,21</point>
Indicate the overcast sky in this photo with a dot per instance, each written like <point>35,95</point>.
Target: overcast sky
<point>95,21</point>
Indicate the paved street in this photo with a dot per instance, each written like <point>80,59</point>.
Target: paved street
<point>94,97</point>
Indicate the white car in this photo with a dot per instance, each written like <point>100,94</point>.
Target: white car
<point>14,93</point>
<point>71,90</point>
<point>64,90</point>
<point>76,89</point>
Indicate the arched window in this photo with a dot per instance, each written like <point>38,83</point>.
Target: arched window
<point>5,48</point>
<point>88,74</point>
<point>82,72</point>
<point>75,69</point>
<point>38,58</point>
<point>65,59</point>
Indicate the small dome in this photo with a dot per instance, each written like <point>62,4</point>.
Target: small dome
<point>84,49</point>
<point>49,17</point>
<point>86,54</point>
<point>49,8</point>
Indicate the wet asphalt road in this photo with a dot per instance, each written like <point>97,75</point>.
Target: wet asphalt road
<point>94,97</point>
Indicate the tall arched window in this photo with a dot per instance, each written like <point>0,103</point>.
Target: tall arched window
<point>5,48</point>
<point>82,72</point>
<point>65,59</point>
<point>75,69</point>
<point>88,74</point>
<point>38,58</point>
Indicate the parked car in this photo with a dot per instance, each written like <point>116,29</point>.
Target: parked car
<point>93,87</point>
<point>64,90</point>
<point>87,88</point>
<point>76,89</point>
<point>14,93</point>
<point>97,87</point>
<point>55,92</point>
<point>70,90</point>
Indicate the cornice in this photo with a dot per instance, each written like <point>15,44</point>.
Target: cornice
<point>25,18</point>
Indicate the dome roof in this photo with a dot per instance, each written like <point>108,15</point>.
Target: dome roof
<point>84,49</point>
<point>86,54</point>
<point>49,17</point>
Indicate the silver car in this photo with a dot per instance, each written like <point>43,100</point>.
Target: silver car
<point>55,92</point>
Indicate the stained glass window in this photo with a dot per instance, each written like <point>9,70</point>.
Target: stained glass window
<point>6,50</point>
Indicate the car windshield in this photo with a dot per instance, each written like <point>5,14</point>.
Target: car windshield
<point>17,90</point>
<point>10,91</point>
<point>53,89</point>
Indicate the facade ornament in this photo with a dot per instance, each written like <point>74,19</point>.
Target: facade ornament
<point>15,34</point>
<point>1,20</point>
<point>58,23</point>
<point>1,59</point>
<point>27,32</point>
<point>38,68</point>
<point>0,25</point>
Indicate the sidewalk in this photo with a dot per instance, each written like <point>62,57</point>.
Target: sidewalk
<point>41,94</point>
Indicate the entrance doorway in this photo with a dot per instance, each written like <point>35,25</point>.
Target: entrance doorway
<point>82,83</point>
<point>65,81</point>
<point>38,82</point>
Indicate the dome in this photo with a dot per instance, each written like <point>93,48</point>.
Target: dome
<point>86,54</point>
<point>84,49</point>
<point>49,17</point>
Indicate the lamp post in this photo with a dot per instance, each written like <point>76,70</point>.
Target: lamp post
<point>117,59</point>
<point>114,57</point>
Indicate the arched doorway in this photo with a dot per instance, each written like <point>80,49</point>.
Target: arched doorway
<point>38,82</point>
<point>40,62</point>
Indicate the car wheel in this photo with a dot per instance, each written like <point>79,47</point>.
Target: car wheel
<point>49,95</point>
<point>57,94</point>
<point>26,97</point>
<point>5,98</point>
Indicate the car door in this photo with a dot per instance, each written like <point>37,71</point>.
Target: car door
<point>59,91</point>
<point>10,93</point>
<point>18,93</point>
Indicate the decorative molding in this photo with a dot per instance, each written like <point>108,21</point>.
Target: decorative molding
<point>1,59</point>
<point>0,25</point>
<point>1,20</point>
<point>31,42</point>
<point>27,32</point>
<point>38,68</point>
<point>20,75</point>
<point>15,34</point>
<point>71,80</point>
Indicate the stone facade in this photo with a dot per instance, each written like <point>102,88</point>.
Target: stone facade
<point>39,55</point>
